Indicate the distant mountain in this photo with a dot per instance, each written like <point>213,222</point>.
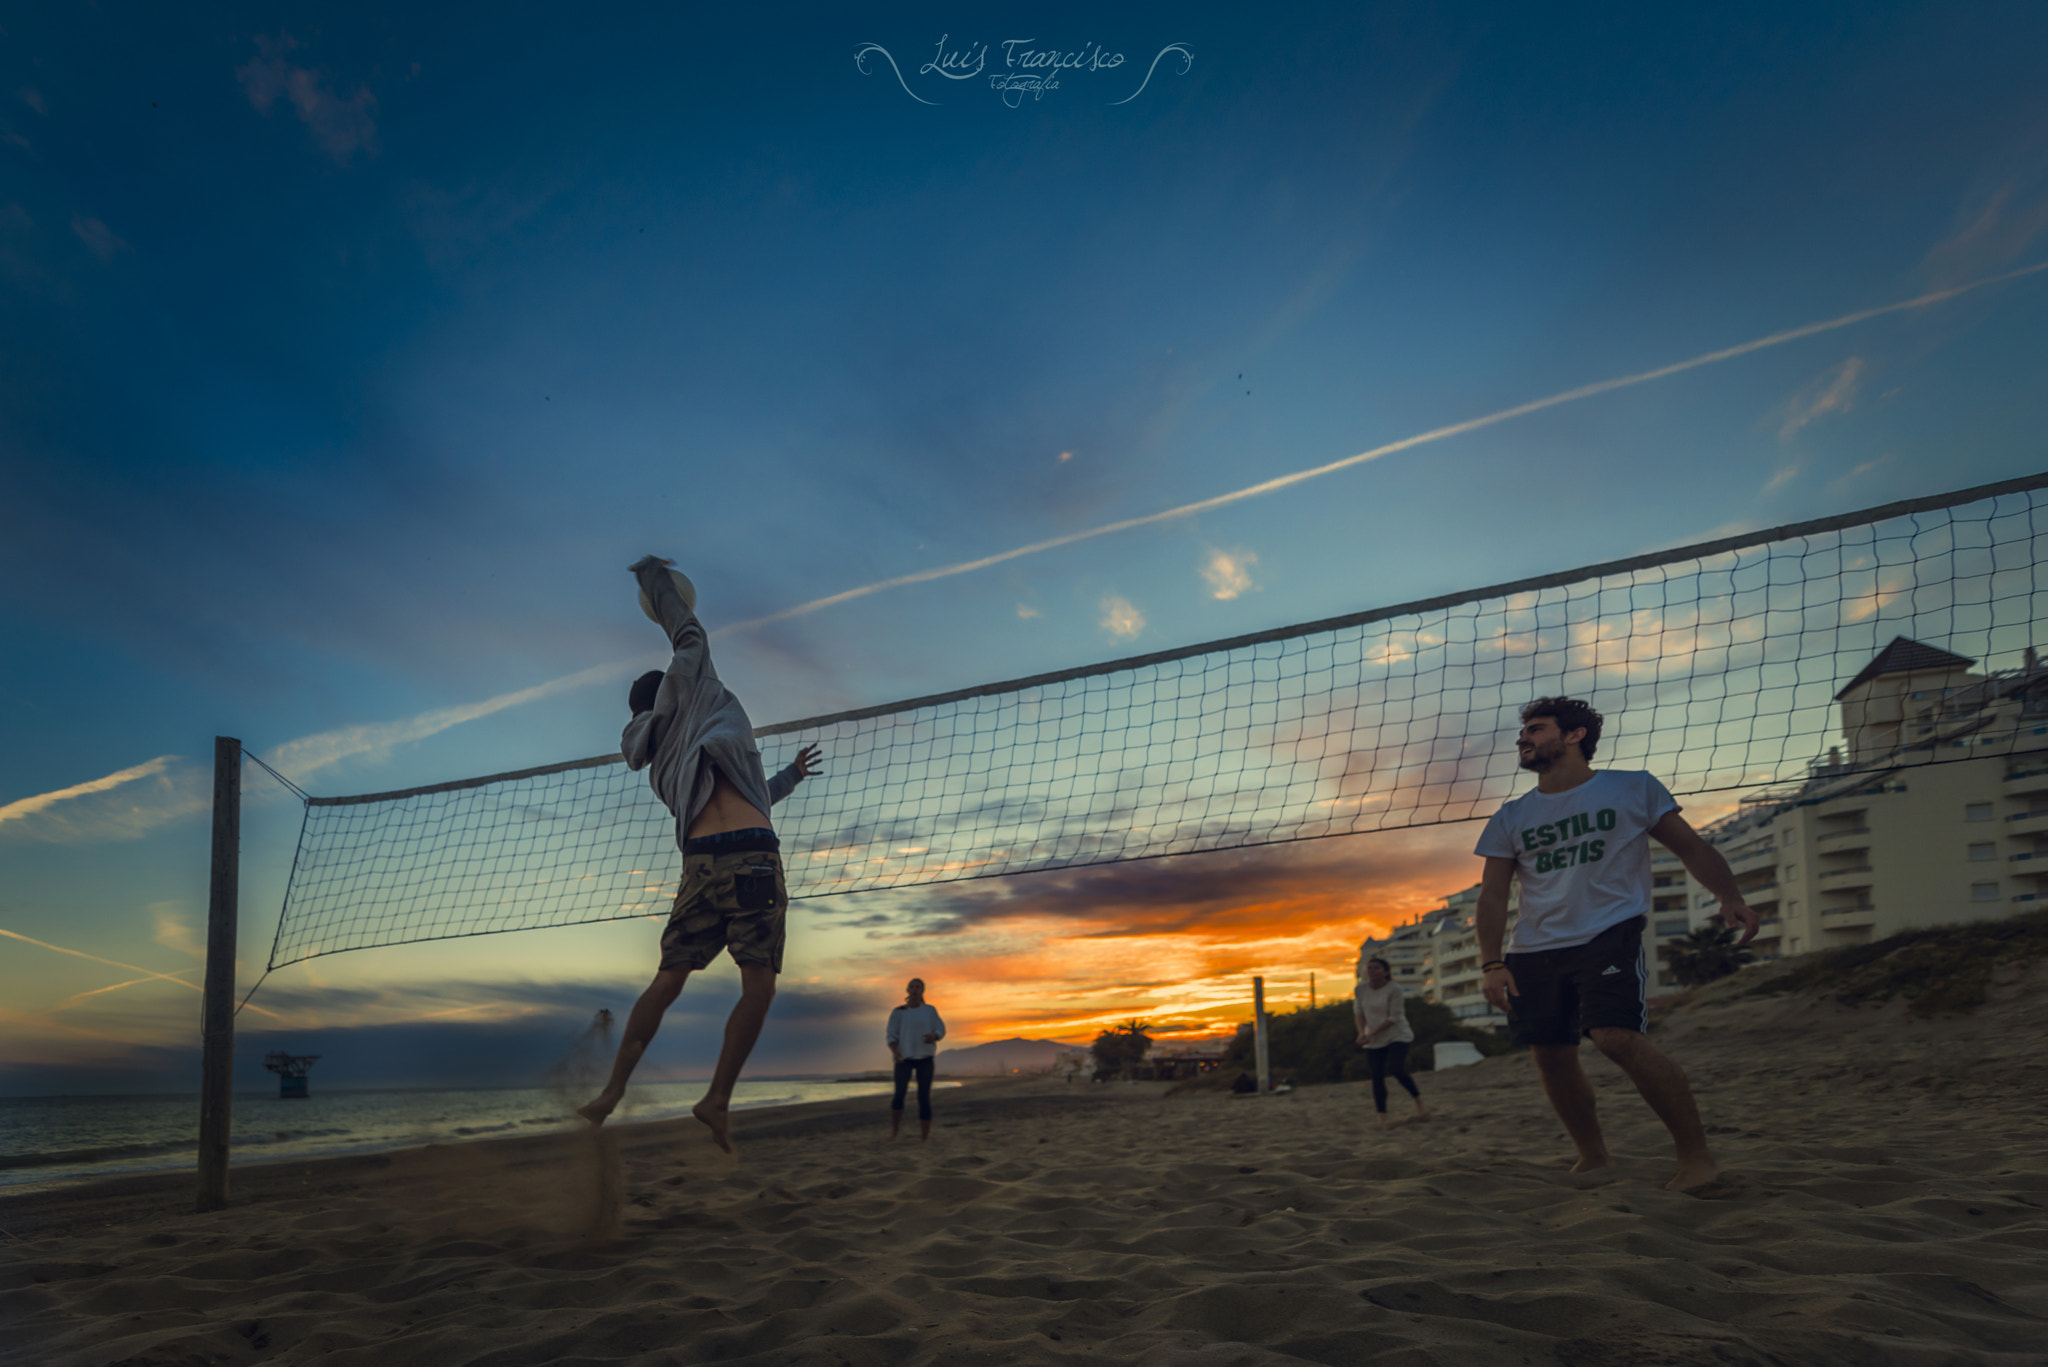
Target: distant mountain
<point>1028,1054</point>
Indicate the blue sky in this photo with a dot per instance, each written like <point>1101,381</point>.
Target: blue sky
<point>346,358</point>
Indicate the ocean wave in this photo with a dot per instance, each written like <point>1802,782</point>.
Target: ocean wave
<point>105,1153</point>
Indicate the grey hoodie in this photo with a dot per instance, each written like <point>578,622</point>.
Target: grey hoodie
<point>695,718</point>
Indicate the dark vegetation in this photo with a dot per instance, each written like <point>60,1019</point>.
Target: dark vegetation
<point>1946,970</point>
<point>1705,954</point>
<point>1120,1050</point>
<point>1321,1045</point>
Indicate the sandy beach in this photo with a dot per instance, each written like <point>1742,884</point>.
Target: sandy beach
<point>1887,1207</point>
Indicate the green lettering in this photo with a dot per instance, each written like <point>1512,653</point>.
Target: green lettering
<point>1599,849</point>
<point>1543,862</point>
<point>1547,834</point>
<point>1606,819</point>
<point>1528,840</point>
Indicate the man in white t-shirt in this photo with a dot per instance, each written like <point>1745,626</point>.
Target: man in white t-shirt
<point>1580,846</point>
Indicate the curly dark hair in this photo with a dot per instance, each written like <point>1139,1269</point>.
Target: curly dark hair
<point>1570,714</point>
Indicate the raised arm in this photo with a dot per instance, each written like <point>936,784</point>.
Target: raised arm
<point>796,771</point>
<point>1707,864</point>
<point>677,617</point>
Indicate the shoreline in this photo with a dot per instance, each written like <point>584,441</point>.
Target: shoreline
<point>117,1162</point>
<point>53,1209</point>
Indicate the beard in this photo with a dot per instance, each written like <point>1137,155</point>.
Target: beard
<point>1541,757</point>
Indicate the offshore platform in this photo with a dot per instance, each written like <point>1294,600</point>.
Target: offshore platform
<point>291,1073</point>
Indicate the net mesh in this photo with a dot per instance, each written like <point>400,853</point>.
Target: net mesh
<point>1716,667</point>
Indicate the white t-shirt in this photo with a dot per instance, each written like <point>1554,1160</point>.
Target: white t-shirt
<point>1582,856</point>
<point>908,1025</point>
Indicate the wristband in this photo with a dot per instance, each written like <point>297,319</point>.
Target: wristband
<point>1497,963</point>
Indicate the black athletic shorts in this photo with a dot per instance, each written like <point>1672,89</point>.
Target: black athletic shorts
<point>1563,993</point>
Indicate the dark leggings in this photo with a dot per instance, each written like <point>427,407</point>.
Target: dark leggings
<point>1391,1058</point>
<point>922,1068</point>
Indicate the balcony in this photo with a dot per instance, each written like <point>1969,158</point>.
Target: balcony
<point>1754,859</point>
<point>2027,823</point>
<point>2033,865</point>
<point>1842,839</point>
<point>2031,897</point>
<point>1848,918</point>
<point>1843,879</point>
<point>2026,781</point>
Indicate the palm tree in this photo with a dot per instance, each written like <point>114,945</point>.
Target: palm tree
<point>1705,954</point>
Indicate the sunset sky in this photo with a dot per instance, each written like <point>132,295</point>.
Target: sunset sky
<point>348,356</point>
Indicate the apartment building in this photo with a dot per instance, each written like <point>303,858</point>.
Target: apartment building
<point>1937,813</point>
<point>1436,956</point>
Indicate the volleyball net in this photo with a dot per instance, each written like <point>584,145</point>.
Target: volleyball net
<point>1716,665</point>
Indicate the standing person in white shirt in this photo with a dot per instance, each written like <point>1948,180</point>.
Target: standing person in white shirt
<point>1580,846</point>
<point>1384,1034</point>
<point>914,1034</point>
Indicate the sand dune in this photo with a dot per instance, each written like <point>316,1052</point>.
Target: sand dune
<point>1889,1209</point>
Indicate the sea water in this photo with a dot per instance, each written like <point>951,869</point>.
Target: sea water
<point>54,1140</point>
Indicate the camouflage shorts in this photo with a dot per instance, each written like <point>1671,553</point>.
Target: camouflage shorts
<point>734,899</point>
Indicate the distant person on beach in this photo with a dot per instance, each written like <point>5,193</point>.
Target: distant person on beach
<point>1580,846</point>
<point>693,737</point>
<point>1384,1034</point>
<point>914,1034</point>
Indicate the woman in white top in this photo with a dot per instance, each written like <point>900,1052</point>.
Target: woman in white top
<point>1384,1032</point>
<point>914,1034</point>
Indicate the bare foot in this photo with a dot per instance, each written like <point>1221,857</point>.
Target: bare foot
<point>1385,1123</point>
<point>1593,1164</point>
<point>597,1111</point>
<point>717,1120</point>
<point>1697,1173</point>
<point>1422,1112</point>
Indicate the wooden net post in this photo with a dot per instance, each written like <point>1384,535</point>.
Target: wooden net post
<point>1259,1035</point>
<point>217,1013</point>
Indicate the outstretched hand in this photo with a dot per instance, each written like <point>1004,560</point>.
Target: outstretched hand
<point>806,761</point>
<point>646,560</point>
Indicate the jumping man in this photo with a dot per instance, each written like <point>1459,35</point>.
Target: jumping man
<point>693,737</point>
<point>1578,846</point>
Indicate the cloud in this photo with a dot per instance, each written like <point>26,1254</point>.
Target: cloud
<point>23,808</point>
<point>1027,612</point>
<point>1992,230</point>
<point>298,758</point>
<point>1833,391</point>
<point>1865,468</point>
<point>1435,434</point>
<point>340,127</point>
<point>174,932</point>
<point>1120,619</point>
<point>33,98</point>
<point>98,238</point>
<point>1229,572</point>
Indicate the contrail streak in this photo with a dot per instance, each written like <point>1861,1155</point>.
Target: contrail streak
<point>148,973</point>
<point>29,806</point>
<point>1435,434</point>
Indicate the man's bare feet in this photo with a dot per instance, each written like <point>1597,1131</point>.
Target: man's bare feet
<point>717,1119</point>
<point>1385,1122</point>
<point>1422,1111</point>
<point>1695,1174</point>
<point>1593,1164</point>
<point>599,1110</point>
